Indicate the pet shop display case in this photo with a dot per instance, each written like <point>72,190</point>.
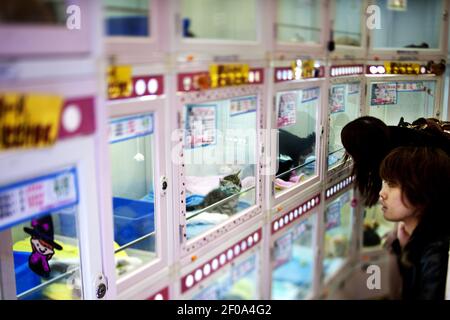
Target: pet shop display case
<point>294,243</point>
<point>217,150</point>
<point>339,232</point>
<point>345,102</point>
<point>138,175</point>
<point>410,29</point>
<point>215,29</point>
<point>56,27</point>
<point>232,271</point>
<point>134,31</point>
<point>392,96</point>
<point>347,31</point>
<point>50,215</point>
<point>296,121</point>
<point>301,26</point>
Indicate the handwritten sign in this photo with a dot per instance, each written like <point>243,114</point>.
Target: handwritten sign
<point>29,120</point>
<point>120,82</point>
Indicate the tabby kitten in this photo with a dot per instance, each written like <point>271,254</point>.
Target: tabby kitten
<point>228,186</point>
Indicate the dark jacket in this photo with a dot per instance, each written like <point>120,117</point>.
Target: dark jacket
<point>423,265</point>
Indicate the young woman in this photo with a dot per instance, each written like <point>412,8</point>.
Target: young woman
<point>414,193</point>
<point>367,140</point>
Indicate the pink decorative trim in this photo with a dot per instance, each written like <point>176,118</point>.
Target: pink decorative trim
<point>186,82</point>
<point>161,295</point>
<point>338,187</point>
<point>289,217</point>
<point>152,85</point>
<point>219,261</point>
<point>346,70</point>
<point>77,118</point>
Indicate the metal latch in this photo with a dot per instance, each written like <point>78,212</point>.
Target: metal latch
<point>101,286</point>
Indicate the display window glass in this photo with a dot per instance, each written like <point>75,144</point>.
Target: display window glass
<point>299,21</point>
<point>219,20</point>
<point>297,137</point>
<point>219,161</point>
<point>132,154</point>
<point>293,259</point>
<point>338,234</point>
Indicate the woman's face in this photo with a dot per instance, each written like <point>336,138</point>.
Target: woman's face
<point>394,208</point>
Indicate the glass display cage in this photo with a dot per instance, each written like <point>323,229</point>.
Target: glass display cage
<point>338,234</point>
<point>391,98</point>
<point>293,261</point>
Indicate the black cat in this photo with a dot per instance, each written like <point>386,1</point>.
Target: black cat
<point>294,147</point>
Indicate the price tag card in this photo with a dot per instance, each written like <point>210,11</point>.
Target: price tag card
<point>25,199</point>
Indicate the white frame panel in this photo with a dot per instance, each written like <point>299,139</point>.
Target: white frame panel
<point>137,49</point>
<point>413,53</point>
<point>228,49</point>
<point>38,40</point>
<point>273,200</point>
<point>15,167</point>
<point>331,172</point>
<point>345,269</point>
<point>313,50</point>
<point>317,236</point>
<point>351,52</point>
<point>137,106</point>
<point>437,110</point>
<point>219,231</point>
<point>189,263</point>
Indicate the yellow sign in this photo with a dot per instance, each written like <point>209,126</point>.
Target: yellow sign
<point>120,82</point>
<point>28,121</point>
<point>302,69</point>
<point>228,75</point>
<point>401,68</point>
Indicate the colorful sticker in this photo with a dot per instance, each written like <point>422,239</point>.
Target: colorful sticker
<point>310,94</point>
<point>333,216</point>
<point>242,105</point>
<point>383,93</point>
<point>42,245</point>
<point>23,200</point>
<point>201,125</point>
<point>337,99</point>
<point>287,109</point>
<point>130,127</point>
<point>29,120</point>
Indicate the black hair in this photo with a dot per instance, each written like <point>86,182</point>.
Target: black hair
<point>367,140</point>
<point>423,174</point>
